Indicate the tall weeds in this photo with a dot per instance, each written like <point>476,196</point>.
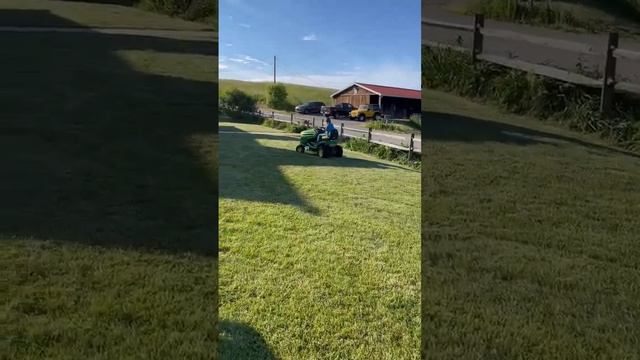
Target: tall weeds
<point>550,13</point>
<point>528,94</point>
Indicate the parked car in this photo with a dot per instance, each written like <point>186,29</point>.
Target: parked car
<point>338,110</point>
<point>364,112</point>
<point>311,107</point>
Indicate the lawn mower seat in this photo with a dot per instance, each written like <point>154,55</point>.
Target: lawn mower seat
<point>333,135</point>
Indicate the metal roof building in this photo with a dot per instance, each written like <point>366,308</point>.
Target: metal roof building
<point>394,101</point>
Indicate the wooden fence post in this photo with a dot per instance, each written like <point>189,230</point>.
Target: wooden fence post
<point>273,115</point>
<point>609,81</point>
<point>478,38</point>
<point>369,135</point>
<point>341,131</point>
<point>410,147</point>
<point>314,121</point>
<point>292,118</point>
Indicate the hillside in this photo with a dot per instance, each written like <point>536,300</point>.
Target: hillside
<point>297,93</point>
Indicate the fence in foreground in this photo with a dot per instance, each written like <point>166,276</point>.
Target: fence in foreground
<point>612,52</point>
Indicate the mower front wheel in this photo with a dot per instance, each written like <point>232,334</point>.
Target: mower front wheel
<point>300,149</point>
<point>322,151</point>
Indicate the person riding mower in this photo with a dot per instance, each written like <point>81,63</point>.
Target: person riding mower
<point>320,140</point>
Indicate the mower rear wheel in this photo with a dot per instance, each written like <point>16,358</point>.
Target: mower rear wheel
<point>300,149</point>
<point>338,151</point>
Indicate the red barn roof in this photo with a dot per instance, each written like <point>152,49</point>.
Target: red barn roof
<point>387,91</point>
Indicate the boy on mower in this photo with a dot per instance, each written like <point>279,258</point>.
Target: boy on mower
<point>327,131</point>
<point>323,141</point>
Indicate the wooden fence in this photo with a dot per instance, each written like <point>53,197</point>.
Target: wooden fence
<point>362,134</point>
<point>607,83</point>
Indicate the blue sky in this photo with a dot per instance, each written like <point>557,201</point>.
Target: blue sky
<point>326,43</point>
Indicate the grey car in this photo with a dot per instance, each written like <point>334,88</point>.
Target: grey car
<point>311,107</point>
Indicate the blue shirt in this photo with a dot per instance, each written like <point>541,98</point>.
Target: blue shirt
<point>329,128</point>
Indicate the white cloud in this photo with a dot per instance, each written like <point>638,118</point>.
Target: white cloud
<point>245,25</point>
<point>246,59</point>
<point>310,37</point>
<point>228,44</point>
<point>222,66</point>
<point>241,61</point>
<point>254,60</point>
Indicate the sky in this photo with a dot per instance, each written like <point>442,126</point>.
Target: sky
<point>325,43</point>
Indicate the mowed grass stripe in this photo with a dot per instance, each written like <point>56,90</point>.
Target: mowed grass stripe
<point>319,257</point>
<point>530,243</point>
<point>108,190</point>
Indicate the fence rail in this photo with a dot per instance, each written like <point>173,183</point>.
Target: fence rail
<point>368,134</point>
<point>607,83</point>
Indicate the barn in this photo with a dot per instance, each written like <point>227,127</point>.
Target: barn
<point>395,102</point>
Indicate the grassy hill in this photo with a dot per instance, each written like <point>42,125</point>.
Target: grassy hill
<point>529,238</point>
<point>297,93</point>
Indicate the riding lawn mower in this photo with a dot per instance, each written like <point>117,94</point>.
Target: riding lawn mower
<point>318,141</point>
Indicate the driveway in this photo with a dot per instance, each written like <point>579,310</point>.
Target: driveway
<point>567,60</point>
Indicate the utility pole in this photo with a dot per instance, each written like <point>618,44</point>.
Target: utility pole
<point>274,69</point>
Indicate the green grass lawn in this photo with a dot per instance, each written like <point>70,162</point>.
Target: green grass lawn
<point>297,94</point>
<point>319,258</point>
<point>86,14</point>
<point>108,146</point>
<point>530,238</point>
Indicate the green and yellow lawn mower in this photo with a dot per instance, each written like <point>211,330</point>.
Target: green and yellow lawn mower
<point>318,141</point>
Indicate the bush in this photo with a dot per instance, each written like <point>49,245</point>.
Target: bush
<point>416,120</point>
<point>277,97</point>
<point>237,100</point>
<point>292,128</point>
<point>380,125</point>
<point>383,152</point>
<point>523,93</point>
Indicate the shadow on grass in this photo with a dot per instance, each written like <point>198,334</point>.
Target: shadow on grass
<point>240,341</point>
<point>95,152</point>
<point>253,171</point>
<point>452,127</point>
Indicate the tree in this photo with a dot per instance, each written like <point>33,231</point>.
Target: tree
<point>277,97</point>
<point>238,100</point>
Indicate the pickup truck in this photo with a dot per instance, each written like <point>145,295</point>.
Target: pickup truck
<point>338,110</point>
<point>364,112</point>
